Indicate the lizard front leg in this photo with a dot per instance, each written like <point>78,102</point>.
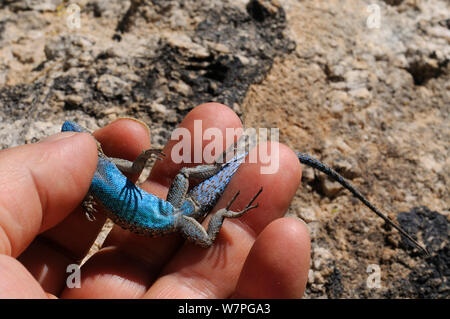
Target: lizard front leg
<point>136,166</point>
<point>88,205</point>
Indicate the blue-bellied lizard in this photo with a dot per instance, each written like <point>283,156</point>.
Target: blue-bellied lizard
<point>140,212</point>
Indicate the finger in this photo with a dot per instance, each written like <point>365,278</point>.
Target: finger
<point>124,138</point>
<point>146,255</point>
<point>213,273</point>
<point>278,263</point>
<point>202,118</point>
<point>16,282</point>
<point>40,185</point>
<point>69,242</point>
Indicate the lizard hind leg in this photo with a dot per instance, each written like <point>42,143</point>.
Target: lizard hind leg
<point>195,232</point>
<point>180,184</point>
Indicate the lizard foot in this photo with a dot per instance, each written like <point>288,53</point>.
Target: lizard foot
<point>196,233</point>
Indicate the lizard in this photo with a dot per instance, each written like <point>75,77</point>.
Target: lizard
<point>132,208</point>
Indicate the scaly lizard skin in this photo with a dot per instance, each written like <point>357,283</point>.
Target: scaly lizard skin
<point>140,212</point>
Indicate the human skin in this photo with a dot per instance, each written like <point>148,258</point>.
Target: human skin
<point>259,255</point>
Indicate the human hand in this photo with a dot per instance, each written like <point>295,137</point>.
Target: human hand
<point>259,255</point>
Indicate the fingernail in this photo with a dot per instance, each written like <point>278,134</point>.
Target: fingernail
<point>143,124</point>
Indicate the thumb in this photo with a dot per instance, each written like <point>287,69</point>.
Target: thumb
<point>40,184</point>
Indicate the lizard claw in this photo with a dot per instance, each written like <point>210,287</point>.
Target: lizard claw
<point>254,198</point>
<point>90,217</point>
<point>151,151</point>
<point>249,205</point>
<point>88,205</point>
<point>160,156</point>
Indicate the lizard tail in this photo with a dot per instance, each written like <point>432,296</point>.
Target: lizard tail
<point>314,163</point>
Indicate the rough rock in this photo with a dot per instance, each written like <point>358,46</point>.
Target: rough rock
<point>373,102</point>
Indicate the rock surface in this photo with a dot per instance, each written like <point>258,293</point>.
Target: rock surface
<point>369,96</point>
